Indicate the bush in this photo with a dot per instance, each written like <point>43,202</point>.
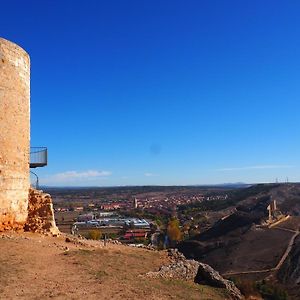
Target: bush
<point>265,290</point>
<point>270,292</point>
<point>112,236</point>
<point>94,234</point>
<point>247,287</point>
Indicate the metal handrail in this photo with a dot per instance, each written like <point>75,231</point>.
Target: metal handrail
<point>36,185</point>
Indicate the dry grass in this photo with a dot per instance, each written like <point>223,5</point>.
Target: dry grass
<point>39,268</point>
<point>125,271</point>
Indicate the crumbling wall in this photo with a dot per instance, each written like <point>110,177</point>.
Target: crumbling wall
<point>40,213</point>
<point>14,135</point>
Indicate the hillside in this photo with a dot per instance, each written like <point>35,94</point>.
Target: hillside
<point>242,244</point>
<point>289,274</point>
<point>33,266</point>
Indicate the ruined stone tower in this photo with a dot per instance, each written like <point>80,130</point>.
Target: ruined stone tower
<point>14,134</point>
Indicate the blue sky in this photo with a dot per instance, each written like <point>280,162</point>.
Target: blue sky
<point>162,92</point>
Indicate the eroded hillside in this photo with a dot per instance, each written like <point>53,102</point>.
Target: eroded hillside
<point>247,244</point>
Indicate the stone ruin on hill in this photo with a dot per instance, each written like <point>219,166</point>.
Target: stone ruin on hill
<point>20,207</point>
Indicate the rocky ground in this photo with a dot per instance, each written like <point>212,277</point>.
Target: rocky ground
<point>34,266</point>
<point>189,269</point>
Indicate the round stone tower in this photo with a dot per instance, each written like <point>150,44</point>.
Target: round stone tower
<point>14,134</point>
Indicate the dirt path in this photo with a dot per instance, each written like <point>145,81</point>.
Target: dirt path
<point>287,251</point>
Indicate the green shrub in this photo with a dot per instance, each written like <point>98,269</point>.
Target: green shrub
<point>266,290</point>
<point>112,236</point>
<point>271,292</point>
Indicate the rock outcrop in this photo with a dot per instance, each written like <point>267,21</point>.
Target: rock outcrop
<point>188,269</point>
<point>207,275</point>
<point>40,214</point>
<point>184,270</point>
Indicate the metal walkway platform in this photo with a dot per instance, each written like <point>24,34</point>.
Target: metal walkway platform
<point>38,157</point>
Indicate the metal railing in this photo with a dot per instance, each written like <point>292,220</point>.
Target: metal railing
<point>34,182</point>
<point>38,157</point>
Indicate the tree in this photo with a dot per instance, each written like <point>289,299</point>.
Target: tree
<point>173,230</point>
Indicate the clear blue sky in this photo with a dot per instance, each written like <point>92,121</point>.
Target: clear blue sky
<point>162,92</point>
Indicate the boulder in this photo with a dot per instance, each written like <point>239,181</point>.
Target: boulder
<point>184,270</point>
<point>207,275</point>
<point>189,269</point>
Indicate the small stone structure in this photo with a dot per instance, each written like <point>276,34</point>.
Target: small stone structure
<point>274,214</point>
<point>14,134</point>
<point>135,202</point>
<point>40,214</point>
<point>272,209</point>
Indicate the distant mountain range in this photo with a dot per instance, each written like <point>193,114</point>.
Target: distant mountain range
<point>225,185</point>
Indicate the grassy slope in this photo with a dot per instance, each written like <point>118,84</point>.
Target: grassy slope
<point>35,267</point>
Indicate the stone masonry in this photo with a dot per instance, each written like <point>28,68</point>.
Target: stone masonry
<point>14,135</point>
<point>40,214</point>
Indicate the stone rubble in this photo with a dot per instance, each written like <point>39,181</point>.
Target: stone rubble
<point>147,247</point>
<point>112,241</point>
<point>188,269</point>
<point>78,241</point>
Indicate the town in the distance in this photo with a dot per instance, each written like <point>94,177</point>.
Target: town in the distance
<point>132,214</point>
<point>246,232</point>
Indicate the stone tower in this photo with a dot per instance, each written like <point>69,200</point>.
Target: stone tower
<point>14,134</point>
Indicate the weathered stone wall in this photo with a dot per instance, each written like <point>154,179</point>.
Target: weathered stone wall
<point>14,134</point>
<point>40,214</point>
